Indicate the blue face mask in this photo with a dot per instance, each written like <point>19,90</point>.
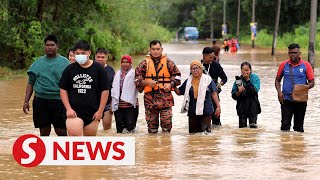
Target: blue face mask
<point>81,58</point>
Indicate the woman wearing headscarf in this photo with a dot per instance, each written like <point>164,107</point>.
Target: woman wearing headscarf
<point>124,97</point>
<point>199,90</point>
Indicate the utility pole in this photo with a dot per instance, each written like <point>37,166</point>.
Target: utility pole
<point>238,21</point>
<point>276,27</point>
<point>224,15</point>
<point>253,18</point>
<point>211,29</point>
<point>211,22</point>
<point>312,33</point>
<point>224,11</point>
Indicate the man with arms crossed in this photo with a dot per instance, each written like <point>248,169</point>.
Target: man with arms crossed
<point>157,75</point>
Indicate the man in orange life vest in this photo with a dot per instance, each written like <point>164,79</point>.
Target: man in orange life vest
<point>157,76</point>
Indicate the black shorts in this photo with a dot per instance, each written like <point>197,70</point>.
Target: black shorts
<point>107,108</point>
<point>86,120</point>
<point>47,112</point>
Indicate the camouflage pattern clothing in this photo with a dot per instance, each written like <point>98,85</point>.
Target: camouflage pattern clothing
<point>152,118</point>
<point>158,99</point>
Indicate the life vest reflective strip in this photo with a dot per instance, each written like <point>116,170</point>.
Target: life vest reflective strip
<point>162,77</point>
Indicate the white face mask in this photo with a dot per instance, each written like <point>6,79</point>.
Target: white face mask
<point>81,58</point>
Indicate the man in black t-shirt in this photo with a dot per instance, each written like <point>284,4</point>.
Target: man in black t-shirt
<point>102,58</point>
<point>84,89</point>
<point>215,70</point>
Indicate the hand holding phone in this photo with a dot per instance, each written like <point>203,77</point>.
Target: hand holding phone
<point>238,81</point>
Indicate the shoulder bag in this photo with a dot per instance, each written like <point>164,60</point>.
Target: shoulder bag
<point>300,91</point>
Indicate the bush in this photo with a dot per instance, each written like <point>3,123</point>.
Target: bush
<point>301,37</point>
<point>263,38</point>
<point>7,73</point>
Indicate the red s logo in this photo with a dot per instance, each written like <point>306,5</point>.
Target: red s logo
<point>29,150</point>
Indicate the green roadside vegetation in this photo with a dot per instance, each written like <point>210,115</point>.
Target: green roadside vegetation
<point>7,74</point>
<point>123,27</point>
<point>127,26</point>
<point>299,36</point>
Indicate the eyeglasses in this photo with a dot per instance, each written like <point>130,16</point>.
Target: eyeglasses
<point>293,52</point>
<point>195,69</point>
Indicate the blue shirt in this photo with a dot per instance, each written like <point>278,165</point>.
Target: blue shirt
<point>301,72</point>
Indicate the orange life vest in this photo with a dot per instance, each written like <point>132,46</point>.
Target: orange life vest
<point>161,74</point>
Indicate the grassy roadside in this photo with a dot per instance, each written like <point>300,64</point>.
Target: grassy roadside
<point>304,50</point>
<point>9,74</point>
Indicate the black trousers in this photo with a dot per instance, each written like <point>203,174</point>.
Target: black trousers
<point>226,48</point>
<point>215,119</point>
<point>199,123</point>
<point>47,112</point>
<point>243,121</point>
<point>295,109</point>
<point>126,118</point>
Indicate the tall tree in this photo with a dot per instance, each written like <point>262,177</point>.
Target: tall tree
<point>105,23</point>
<point>30,20</point>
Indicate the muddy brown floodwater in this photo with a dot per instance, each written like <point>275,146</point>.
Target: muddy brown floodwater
<point>227,153</point>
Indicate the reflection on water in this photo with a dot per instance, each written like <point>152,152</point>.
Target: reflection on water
<point>74,172</point>
<point>293,152</point>
<point>292,146</point>
<point>156,150</point>
<point>206,149</point>
<point>246,142</point>
<point>227,153</point>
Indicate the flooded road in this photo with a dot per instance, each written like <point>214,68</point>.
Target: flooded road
<point>227,153</point>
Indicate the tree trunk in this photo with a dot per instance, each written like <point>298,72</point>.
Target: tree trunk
<point>276,27</point>
<point>238,21</point>
<point>211,29</point>
<point>39,15</point>
<point>55,12</point>
<point>312,33</point>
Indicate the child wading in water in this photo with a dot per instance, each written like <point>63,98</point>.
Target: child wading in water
<point>245,91</point>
